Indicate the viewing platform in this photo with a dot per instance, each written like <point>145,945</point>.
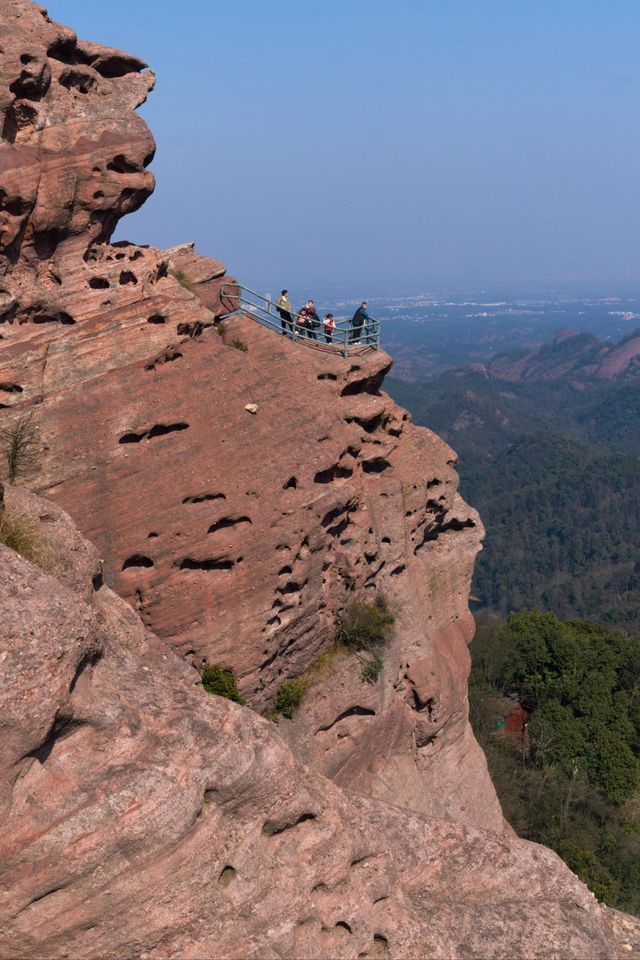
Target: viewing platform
<point>243,300</point>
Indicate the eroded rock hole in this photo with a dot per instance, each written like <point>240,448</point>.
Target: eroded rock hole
<point>226,522</point>
<point>368,424</point>
<point>20,116</point>
<point>120,164</point>
<point>191,330</point>
<point>33,83</point>
<point>99,283</point>
<point>327,376</point>
<point>61,317</point>
<point>272,828</point>
<point>380,944</point>
<point>434,532</point>
<point>355,711</point>
<point>291,484</point>
<point>201,497</point>
<point>15,206</point>
<point>88,660</point>
<point>159,430</point>
<point>156,318</point>
<point>332,515</point>
<point>338,529</point>
<point>336,472</point>
<point>127,277</point>
<point>343,925</point>
<point>213,563</point>
<point>398,570</point>
<point>376,465</point>
<point>420,706</point>
<point>77,80</point>
<point>227,876</point>
<point>10,388</point>
<point>116,65</point>
<point>66,51</point>
<point>291,587</point>
<point>61,728</point>
<point>165,357</point>
<point>137,560</point>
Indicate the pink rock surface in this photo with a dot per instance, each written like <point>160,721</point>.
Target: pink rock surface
<point>238,538</point>
<point>143,817</point>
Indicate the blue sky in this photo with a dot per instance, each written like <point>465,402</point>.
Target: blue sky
<point>361,145</point>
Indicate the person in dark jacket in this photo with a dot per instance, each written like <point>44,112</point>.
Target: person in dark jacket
<point>311,319</point>
<point>358,321</point>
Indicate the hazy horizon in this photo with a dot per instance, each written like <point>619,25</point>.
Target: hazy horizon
<point>348,147</point>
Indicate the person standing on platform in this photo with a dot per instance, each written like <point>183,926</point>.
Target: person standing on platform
<point>358,321</point>
<point>283,305</point>
<point>329,327</point>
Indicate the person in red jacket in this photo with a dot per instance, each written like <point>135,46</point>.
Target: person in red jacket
<point>329,327</point>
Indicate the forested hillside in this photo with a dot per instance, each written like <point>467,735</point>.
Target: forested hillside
<point>569,777</point>
<point>555,474</point>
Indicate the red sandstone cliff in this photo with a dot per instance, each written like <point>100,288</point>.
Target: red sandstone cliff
<point>145,818</point>
<point>238,538</point>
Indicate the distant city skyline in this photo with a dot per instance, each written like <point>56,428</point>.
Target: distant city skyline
<point>353,146</point>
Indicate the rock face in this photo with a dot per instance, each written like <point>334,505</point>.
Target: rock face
<point>574,356</point>
<point>240,490</point>
<point>238,536</point>
<point>143,817</point>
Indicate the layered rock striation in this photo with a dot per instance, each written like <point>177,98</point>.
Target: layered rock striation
<point>239,539</point>
<point>145,816</point>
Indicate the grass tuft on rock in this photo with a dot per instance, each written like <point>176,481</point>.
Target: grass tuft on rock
<point>221,682</point>
<point>21,533</point>
<point>363,629</point>
<point>19,443</point>
<point>289,697</point>
<point>183,279</point>
<point>365,626</point>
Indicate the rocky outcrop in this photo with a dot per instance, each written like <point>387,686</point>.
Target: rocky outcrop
<point>240,490</point>
<point>577,357</point>
<point>143,817</point>
<point>238,538</point>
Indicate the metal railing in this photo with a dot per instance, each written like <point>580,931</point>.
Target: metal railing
<point>343,336</point>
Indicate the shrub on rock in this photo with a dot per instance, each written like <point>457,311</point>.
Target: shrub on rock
<point>289,697</point>
<point>221,682</point>
<point>364,626</point>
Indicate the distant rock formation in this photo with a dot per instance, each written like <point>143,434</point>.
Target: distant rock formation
<point>240,490</point>
<point>573,356</point>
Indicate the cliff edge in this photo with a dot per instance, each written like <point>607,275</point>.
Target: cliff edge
<point>238,538</point>
<point>146,816</point>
